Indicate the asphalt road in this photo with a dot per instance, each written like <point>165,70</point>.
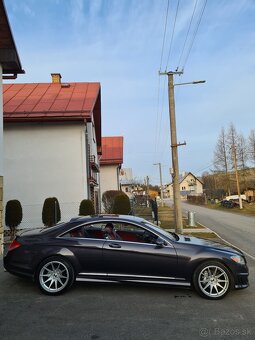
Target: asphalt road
<point>235,228</point>
<point>130,312</point>
<point>123,312</point>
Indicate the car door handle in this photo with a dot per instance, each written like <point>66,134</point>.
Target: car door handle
<point>114,245</point>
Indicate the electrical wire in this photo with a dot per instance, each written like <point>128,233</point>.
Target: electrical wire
<point>186,38</point>
<point>158,121</point>
<point>164,36</point>
<point>172,36</point>
<point>194,35</point>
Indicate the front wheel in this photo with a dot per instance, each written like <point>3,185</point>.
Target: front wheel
<point>55,275</point>
<point>212,280</point>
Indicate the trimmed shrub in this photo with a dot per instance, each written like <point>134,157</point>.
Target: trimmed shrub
<point>108,200</point>
<point>86,208</point>
<point>51,213</point>
<point>13,216</point>
<point>121,205</point>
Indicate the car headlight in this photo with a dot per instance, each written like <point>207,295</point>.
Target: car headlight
<point>238,259</point>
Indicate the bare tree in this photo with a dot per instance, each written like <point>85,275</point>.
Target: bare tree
<point>251,146</point>
<point>233,146</point>
<point>221,157</point>
<point>242,159</point>
<point>233,143</point>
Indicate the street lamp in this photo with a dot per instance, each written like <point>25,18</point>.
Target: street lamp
<point>191,82</point>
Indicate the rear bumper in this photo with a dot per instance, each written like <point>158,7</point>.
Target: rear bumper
<point>16,268</point>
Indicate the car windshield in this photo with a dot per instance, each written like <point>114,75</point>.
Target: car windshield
<point>161,230</point>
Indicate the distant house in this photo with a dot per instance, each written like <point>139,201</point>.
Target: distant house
<point>110,163</point>
<point>250,194</point>
<point>10,67</point>
<point>52,136</point>
<point>126,181</point>
<point>189,185</point>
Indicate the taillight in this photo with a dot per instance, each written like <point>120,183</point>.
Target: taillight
<point>15,244</point>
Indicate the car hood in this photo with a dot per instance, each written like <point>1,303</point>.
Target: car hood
<point>207,243</point>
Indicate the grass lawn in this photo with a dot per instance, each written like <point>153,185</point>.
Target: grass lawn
<point>166,217</point>
<point>248,208</point>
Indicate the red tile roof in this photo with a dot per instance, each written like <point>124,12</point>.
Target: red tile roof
<point>53,102</point>
<point>112,150</point>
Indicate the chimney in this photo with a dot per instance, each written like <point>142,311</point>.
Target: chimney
<point>56,78</point>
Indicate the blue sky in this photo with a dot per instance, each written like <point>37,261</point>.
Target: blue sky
<point>119,44</point>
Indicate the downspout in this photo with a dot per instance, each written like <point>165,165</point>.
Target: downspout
<point>87,161</point>
<point>118,176</point>
<point>99,186</point>
<point>1,163</point>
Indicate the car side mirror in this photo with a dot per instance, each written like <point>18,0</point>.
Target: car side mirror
<point>160,242</point>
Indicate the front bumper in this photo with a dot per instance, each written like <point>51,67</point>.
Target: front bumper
<point>242,281</point>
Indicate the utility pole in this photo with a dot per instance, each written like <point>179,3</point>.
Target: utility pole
<point>146,181</point>
<point>237,177</point>
<point>147,189</point>
<point>161,185</point>
<point>174,146</point>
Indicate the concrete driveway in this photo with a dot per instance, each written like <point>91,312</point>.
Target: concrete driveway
<point>123,311</point>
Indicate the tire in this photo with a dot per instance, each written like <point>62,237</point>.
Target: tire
<point>212,280</point>
<point>55,275</point>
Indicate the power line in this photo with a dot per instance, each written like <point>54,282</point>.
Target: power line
<point>164,36</point>
<point>186,38</point>
<point>171,42</point>
<point>158,122</point>
<point>195,34</point>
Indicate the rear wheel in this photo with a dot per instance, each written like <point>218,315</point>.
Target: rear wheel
<point>212,280</point>
<point>55,275</point>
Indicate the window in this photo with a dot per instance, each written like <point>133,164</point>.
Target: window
<point>134,233</point>
<point>121,231</point>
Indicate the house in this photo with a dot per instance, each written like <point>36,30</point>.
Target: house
<point>126,181</point>
<point>52,136</point>
<point>189,185</point>
<point>110,163</point>
<point>10,67</point>
<point>250,194</point>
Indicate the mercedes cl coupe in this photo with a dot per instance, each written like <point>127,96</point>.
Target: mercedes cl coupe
<point>124,249</point>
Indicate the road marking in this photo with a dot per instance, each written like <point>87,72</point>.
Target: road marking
<point>252,257</point>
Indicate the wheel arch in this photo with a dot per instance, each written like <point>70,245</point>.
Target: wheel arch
<point>70,258</point>
<point>197,264</point>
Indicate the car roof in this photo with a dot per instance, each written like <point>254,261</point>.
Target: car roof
<point>131,218</point>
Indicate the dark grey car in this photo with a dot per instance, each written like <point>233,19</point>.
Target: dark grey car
<point>124,248</point>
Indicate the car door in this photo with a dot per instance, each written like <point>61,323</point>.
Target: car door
<point>139,259</point>
<point>86,244</point>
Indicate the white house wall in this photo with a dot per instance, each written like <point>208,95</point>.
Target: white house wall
<point>45,160</point>
<point>109,178</point>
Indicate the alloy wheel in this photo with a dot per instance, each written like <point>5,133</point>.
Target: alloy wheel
<point>54,276</point>
<point>213,281</point>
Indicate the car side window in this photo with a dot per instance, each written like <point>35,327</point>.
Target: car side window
<point>134,233</point>
<point>86,231</point>
<point>112,230</point>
